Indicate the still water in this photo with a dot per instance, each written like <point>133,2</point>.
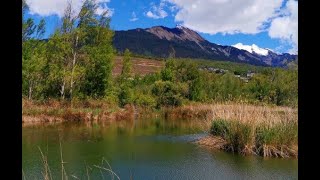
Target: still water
<point>143,149</point>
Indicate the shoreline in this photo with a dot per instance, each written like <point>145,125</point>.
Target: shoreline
<point>217,142</point>
<point>267,131</point>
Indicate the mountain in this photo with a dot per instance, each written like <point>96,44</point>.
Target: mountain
<point>268,56</point>
<point>160,41</point>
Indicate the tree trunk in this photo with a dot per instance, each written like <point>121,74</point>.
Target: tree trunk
<point>73,66</point>
<point>62,89</point>
<point>30,90</point>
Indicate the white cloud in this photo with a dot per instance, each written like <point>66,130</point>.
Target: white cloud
<point>134,17</point>
<point>225,16</point>
<point>57,7</point>
<point>157,12</point>
<point>241,16</point>
<point>285,27</point>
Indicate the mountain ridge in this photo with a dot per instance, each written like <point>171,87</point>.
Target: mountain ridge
<point>182,42</point>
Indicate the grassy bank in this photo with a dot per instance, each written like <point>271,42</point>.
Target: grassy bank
<point>246,129</point>
<point>60,111</point>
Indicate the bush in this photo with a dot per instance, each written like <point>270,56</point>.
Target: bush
<point>125,95</point>
<point>145,100</point>
<point>228,87</point>
<point>167,93</point>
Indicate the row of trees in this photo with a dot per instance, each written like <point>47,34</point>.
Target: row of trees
<point>76,60</point>
<point>181,82</point>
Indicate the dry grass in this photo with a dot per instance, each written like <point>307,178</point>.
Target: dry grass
<point>46,170</point>
<point>140,66</point>
<point>245,113</point>
<point>210,141</point>
<point>248,129</point>
<point>52,111</point>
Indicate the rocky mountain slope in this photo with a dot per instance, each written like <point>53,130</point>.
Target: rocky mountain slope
<point>160,41</point>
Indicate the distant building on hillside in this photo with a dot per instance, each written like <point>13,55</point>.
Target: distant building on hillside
<point>245,79</point>
<point>250,74</point>
<point>213,70</point>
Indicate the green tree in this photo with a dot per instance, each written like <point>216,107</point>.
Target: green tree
<point>228,87</point>
<point>125,80</point>
<point>127,65</point>
<point>59,61</point>
<point>168,73</point>
<point>167,93</point>
<point>260,87</point>
<point>32,66</point>
<point>196,89</point>
<point>125,94</point>
<point>32,52</point>
<point>98,49</point>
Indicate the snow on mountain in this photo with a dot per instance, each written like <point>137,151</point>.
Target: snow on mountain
<point>252,48</point>
<point>179,26</point>
<point>271,50</point>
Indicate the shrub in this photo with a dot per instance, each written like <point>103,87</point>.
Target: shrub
<point>167,93</point>
<point>125,95</point>
<point>145,100</point>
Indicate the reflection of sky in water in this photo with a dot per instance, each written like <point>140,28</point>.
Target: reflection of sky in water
<point>150,149</point>
<point>173,139</point>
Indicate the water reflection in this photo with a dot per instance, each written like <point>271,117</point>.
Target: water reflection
<point>144,149</point>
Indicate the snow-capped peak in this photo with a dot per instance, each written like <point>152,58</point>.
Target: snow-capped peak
<point>179,26</point>
<point>252,48</point>
<point>271,50</point>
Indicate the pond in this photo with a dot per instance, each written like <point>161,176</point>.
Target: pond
<point>153,148</point>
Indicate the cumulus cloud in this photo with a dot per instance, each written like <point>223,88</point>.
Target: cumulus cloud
<point>57,7</point>
<point>225,16</point>
<point>285,27</point>
<point>240,16</point>
<point>157,12</point>
<point>134,17</point>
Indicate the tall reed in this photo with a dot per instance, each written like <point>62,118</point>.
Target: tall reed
<point>46,173</point>
<point>252,129</point>
<point>265,139</point>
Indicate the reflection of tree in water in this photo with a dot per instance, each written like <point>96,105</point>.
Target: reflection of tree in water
<point>98,131</point>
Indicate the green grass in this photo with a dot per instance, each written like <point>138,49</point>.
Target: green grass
<point>278,135</point>
<point>239,136</point>
<point>231,66</point>
<point>263,139</point>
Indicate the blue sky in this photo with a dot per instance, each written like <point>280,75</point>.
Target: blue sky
<point>267,24</point>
